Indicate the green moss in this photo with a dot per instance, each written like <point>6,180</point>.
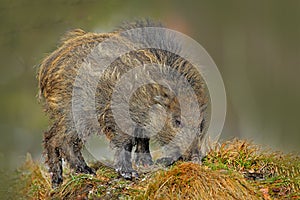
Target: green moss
<point>274,172</point>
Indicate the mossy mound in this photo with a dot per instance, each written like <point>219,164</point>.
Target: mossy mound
<point>234,170</point>
<point>275,174</point>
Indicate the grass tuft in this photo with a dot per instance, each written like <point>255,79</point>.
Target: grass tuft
<point>234,170</point>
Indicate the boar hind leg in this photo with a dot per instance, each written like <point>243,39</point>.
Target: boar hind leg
<point>53,156</point>
<point>142,151</point>
<point>72,153</point>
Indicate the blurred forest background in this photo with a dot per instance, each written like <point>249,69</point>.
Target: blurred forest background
<point>255,44</point>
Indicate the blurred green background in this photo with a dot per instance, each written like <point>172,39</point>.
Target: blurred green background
<point>255,44</point>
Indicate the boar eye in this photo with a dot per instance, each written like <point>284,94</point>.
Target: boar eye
<point>177,123</point>
<point>202,125</point>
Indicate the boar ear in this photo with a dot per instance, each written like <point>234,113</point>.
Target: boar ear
<point>162,100</point>
<point>159,99</point>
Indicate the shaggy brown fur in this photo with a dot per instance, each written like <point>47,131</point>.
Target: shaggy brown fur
<point>57,74</point>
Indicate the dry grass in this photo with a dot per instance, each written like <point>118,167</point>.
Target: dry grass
<point>275,174</point>
<point>192,181</point>
<point>234,170</point>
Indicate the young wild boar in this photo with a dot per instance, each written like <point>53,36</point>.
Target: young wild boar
<point>181,137</point>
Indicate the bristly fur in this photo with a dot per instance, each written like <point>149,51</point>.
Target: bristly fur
<point>56,78</point>
<point>139,23</point>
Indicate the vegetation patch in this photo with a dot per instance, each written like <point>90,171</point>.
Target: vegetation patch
<point>234,170</point>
